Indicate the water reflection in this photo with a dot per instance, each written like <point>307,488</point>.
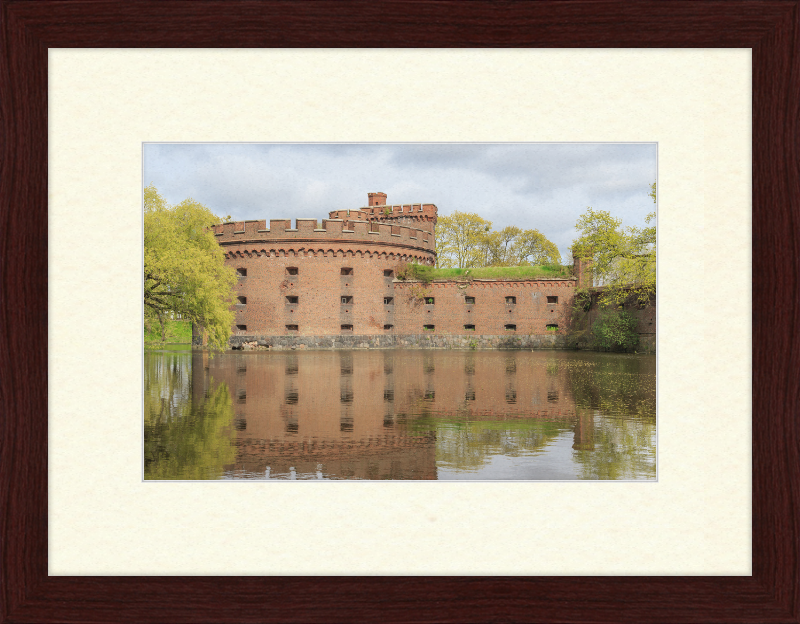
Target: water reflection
<point>400,415</point>
<point>188,432</point>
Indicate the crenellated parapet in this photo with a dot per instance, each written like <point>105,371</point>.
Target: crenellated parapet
<point>423,216</point>
<point>352,234</point>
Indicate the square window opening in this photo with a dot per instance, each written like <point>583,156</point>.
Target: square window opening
<point>347,300</point>
<point>428,328</point>
<point>511,300</point>
<point>292,299</point>
<point>347,271</point>
<point>388,273</point>
<point>347,328</point>
<point>242,300</point>
<point>388,300</point>
<point>430,301</point>
<point>511,327</point>
<point>552,327</point>
<point>291,328</point>
<point>241,272</point>
<point>469,300</point>
<point>241,328</point>
<point>551,299</point>
<point>388,327</point>
<point>291,271</point>
<point>469,327</point>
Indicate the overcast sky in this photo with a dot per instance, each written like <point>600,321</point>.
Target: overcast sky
<point>545,186</point>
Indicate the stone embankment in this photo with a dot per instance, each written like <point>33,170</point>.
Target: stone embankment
<point>417,341</point>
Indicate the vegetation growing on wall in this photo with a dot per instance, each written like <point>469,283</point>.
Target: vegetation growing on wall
<point>184,268</point>
<point>614,330</point>
<point>425,273</point>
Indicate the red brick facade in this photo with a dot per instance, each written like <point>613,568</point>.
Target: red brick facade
<point>340,279</point>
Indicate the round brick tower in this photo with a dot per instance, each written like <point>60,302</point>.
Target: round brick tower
<point>325,278</point>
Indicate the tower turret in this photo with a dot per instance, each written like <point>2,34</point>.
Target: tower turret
<point>376,199</point>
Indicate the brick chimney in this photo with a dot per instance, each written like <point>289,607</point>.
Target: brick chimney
<point>376,199</point>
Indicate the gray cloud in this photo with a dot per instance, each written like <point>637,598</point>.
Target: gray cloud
<point>546,186</point>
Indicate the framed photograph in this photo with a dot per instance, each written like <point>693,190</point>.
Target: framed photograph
<point>375,339</point>
<point>82,537</point>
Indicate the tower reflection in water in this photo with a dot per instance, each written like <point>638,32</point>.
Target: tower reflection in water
<point>417,414</point>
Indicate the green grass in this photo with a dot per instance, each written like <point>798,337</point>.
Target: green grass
<point>427,274</point>
<point>177,332</point>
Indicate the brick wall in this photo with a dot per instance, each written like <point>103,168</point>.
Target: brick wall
<point>293,281</point>
<point>491,306</point>
<point>319,299</point>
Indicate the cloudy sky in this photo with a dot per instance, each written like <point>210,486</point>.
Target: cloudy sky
<point>545,186</point>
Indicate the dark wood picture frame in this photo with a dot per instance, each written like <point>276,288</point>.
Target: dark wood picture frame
<point>28,28</point>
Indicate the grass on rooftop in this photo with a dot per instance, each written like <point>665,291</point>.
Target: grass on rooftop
<point>427,274</point>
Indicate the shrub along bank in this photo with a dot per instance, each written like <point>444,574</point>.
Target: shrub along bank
<point>177,332</point>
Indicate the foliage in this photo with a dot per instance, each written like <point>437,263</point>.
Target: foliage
<point>615,330</point>
<point>182,440</point>
<point>415,272</point>
<point>423,273</point>
<point>417,294</point>
<point>459,238</point>
<point>466,240</point>
<point>623,260</point>
<point>184,267</point>
<point>583,299</point>
<point>175,331</point>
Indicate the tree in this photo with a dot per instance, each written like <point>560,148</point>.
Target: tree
<point>501,246</point>
<point>184,267</point>
<point>623,260</point>
<point>533,247</point>
<point>459,238</point>
<point>466,240</point>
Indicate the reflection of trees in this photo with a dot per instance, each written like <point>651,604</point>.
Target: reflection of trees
<point>622,385</point>
<point>465,445</point>
<point>615,428</point>
<point>623,448</point>
<point>182,440</point>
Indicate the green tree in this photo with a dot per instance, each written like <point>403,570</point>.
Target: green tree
<point>623,260</point>
<point>184,267</point>
<point>532,247</point>
<point>615,330</point>
<point>459,238</point>
<point>502,246</point>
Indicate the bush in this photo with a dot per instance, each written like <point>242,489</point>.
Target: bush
<point>615,330</point>
<point>420,272</point>
<point>177,332</point>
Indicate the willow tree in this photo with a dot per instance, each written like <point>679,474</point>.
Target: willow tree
<point>184,267</point>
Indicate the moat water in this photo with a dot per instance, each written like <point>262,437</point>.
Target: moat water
<point>399,414</point>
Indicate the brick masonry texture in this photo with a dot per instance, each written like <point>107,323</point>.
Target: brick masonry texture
<point>339,280</point>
